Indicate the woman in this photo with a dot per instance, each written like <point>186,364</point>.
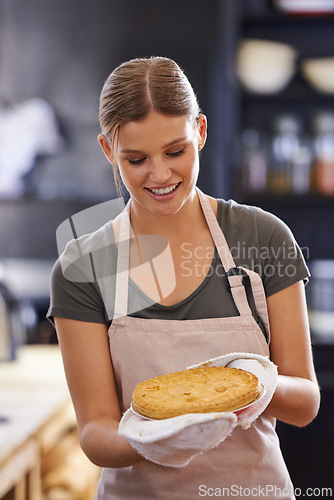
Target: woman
<point>152,132</point>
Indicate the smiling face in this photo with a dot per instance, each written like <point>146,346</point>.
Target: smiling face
<point>158,161</point>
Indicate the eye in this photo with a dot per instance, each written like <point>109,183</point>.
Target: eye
<point>177,153</point>
<point>136,162</point>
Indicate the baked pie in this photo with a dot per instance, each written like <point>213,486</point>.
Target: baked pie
<point>198,390</point>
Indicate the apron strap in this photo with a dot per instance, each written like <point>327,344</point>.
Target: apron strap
<point>239,294</point>
<point>259,298</point>
<point>216,232</point>
<point>122,270</point>
<point>234,277</point>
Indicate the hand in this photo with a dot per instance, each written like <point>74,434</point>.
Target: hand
<point>173,442</point>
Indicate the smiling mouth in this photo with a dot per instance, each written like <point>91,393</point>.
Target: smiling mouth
<point>166,190</point>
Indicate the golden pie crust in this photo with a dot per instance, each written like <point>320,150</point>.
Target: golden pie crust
<point>198,390</point>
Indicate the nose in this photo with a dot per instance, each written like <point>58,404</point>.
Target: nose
<point>159,171</point>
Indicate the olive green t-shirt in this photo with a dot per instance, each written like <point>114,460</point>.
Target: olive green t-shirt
<point>257,240</point>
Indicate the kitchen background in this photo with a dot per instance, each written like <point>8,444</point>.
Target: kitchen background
<point>264,75</point>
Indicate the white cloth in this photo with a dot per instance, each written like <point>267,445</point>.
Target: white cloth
<point>175,441</point>
<point>259,365</point>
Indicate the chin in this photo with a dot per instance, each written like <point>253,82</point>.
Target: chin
<point>165,211</point>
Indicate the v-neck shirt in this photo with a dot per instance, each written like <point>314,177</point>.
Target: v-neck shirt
<point>257,240</point>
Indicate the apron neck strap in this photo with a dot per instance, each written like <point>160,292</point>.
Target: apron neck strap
<point>235,279</point>
<point>235,274</point>
<point>216,232</point>
<point>122,269</point>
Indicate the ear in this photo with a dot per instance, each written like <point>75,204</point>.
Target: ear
<point>105,145</point>
<point>202,126</point>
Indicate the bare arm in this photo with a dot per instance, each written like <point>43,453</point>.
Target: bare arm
<point>90,377</point>
<point>297,397</point>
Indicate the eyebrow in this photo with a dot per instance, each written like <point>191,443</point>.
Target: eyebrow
<point>175,141</point>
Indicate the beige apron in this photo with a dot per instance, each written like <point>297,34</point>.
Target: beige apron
<point>249,462</point>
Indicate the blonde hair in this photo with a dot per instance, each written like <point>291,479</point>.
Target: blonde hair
<point>138,86</point>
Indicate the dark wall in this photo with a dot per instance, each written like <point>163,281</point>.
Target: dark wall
<point>62,51</point>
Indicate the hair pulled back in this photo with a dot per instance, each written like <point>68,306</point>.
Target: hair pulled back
<point>140,85</point>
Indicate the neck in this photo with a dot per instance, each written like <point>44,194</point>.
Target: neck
<point>146,222</point>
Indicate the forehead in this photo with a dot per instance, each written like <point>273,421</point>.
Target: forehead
<point>162,128</point>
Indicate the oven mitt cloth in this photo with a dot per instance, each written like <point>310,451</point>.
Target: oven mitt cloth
<point>173,442</point>
<point>261,366</point>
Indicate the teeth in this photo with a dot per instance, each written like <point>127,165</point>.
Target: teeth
<point>165,190</point>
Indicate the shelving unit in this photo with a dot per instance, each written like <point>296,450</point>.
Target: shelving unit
<point>311,215</point>
<point>309,35</point>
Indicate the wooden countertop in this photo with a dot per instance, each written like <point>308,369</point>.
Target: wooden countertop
<point>33,392</point>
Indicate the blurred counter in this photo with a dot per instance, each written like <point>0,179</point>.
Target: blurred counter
<point>35,408</point>
<point>36,414</point>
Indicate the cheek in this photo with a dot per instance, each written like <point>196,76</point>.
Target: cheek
<point>124,173</point>
<point>190,161</point>
<point>130,175</point>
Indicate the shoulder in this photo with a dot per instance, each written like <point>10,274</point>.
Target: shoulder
<point>251,229</point>
<point>89,242</point>
<point>234,209</point>
<point>261,241</point>
<point>76,276</point>
<point>232,213</point>
<point>77,257</point>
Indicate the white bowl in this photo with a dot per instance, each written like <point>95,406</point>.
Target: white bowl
<point>319,73</point>
<point>305,6</point>
<point>265,67</point>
